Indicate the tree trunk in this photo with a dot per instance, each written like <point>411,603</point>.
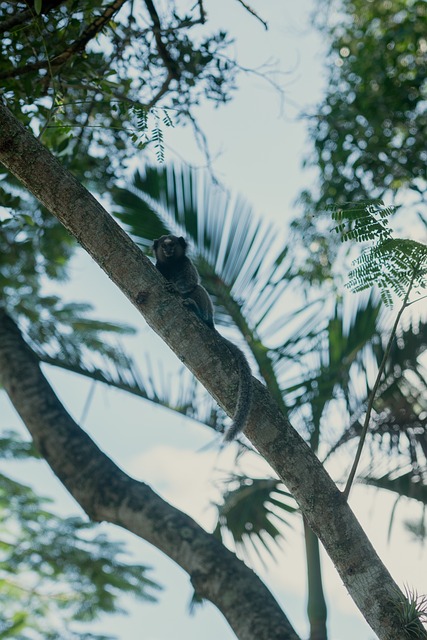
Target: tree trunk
<point>316,605</point>
<point>206,355</point>
<point>107,493</point>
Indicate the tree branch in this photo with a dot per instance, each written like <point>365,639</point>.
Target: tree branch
<point>106,493</point>
<point>27,14</point>
<point>57,61</point>
<point>170,63</point>
<point>14,21</point>
<point>375,389</point>
<point>253,12</point>
<point>208,357</point>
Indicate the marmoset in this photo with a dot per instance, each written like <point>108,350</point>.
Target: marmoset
<point>178,269</point>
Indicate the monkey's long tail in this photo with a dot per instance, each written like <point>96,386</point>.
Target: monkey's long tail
<point>244,397</point>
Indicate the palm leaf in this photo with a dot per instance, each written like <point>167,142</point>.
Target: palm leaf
<point>400,410</point>
<point>184,395</point>
<point>410,484</point>
<point>331,355</point>
<point>235,253</point>
<point>241,262</point>
<point>253,512</point>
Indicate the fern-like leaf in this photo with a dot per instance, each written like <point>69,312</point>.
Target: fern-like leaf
<point>362,221</point>
<point>394,265</point>
<point>157,138</point>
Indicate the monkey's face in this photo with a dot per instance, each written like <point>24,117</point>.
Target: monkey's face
<point>169,248</point>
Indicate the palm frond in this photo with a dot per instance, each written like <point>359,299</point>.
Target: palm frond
<point>418,528</point>
<point>332,354</point>
<point>185,395</point>
<point>242,261</point>
<point>399,419</point>
<point>253,513</point>
<point>235,253</point>
<point>411,484</point>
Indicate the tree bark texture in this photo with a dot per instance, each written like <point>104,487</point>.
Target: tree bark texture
<point>107,493</point>
<point>322,504</point>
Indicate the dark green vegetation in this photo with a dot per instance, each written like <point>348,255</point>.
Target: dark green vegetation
<point>96,83</point>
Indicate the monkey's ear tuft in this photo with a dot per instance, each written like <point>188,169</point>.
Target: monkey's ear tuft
<point>155,244</point>
<point>182,242</point>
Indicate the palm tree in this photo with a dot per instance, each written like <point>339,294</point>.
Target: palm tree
<point>313,357</point>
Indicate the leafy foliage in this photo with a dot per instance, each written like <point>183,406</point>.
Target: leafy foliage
<point>324,359</point>
<point>86,78</point>
<point>183,394</point>
<point>55,572</point>
<point>35,247</point>
<point>399,424</point>
<point>32,243</point>
<point>65,334</point>
<point>182,201</point>
<point>412,610</point>
<point>406,484</point>
<point>252,511</point>
<point>242,261</point>
<point>399,265</point>
<point>362,221</point>
<point>392,264</point>
<point>369,131</point>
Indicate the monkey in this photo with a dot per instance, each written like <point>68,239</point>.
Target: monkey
<point>174,264</point>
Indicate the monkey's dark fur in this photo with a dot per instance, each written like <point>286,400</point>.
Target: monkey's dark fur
<point>177,268</point>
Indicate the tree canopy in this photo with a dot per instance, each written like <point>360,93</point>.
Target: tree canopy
<point>94,85</point>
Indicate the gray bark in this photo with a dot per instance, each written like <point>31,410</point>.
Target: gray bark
<point>107,493</point>
<point>322,504</point>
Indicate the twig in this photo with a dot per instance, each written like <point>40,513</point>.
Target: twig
<point>171,64</point>
<point>202,11</point>
<point>251,11</point>
<point>161,92</point>
<point>16,20</point>
<point>93,29</point>
<point>375,389</point>
<point>414,301</point>
<point>117,96</point>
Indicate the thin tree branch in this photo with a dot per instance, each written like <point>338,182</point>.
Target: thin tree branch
<point>171,64</point>
<point>117,96</point>
<point>16,20</point>
<point>253,12</point>
<point>161,92</point>
<point>79,45</point>
<point>373,393</point>
<point>202,11</point>
<point>27,14</point>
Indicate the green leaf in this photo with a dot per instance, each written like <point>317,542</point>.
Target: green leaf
<point>252,510</point>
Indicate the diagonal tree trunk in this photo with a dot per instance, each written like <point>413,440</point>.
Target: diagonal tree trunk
<point>107,493</point>
<point>205,354</point>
